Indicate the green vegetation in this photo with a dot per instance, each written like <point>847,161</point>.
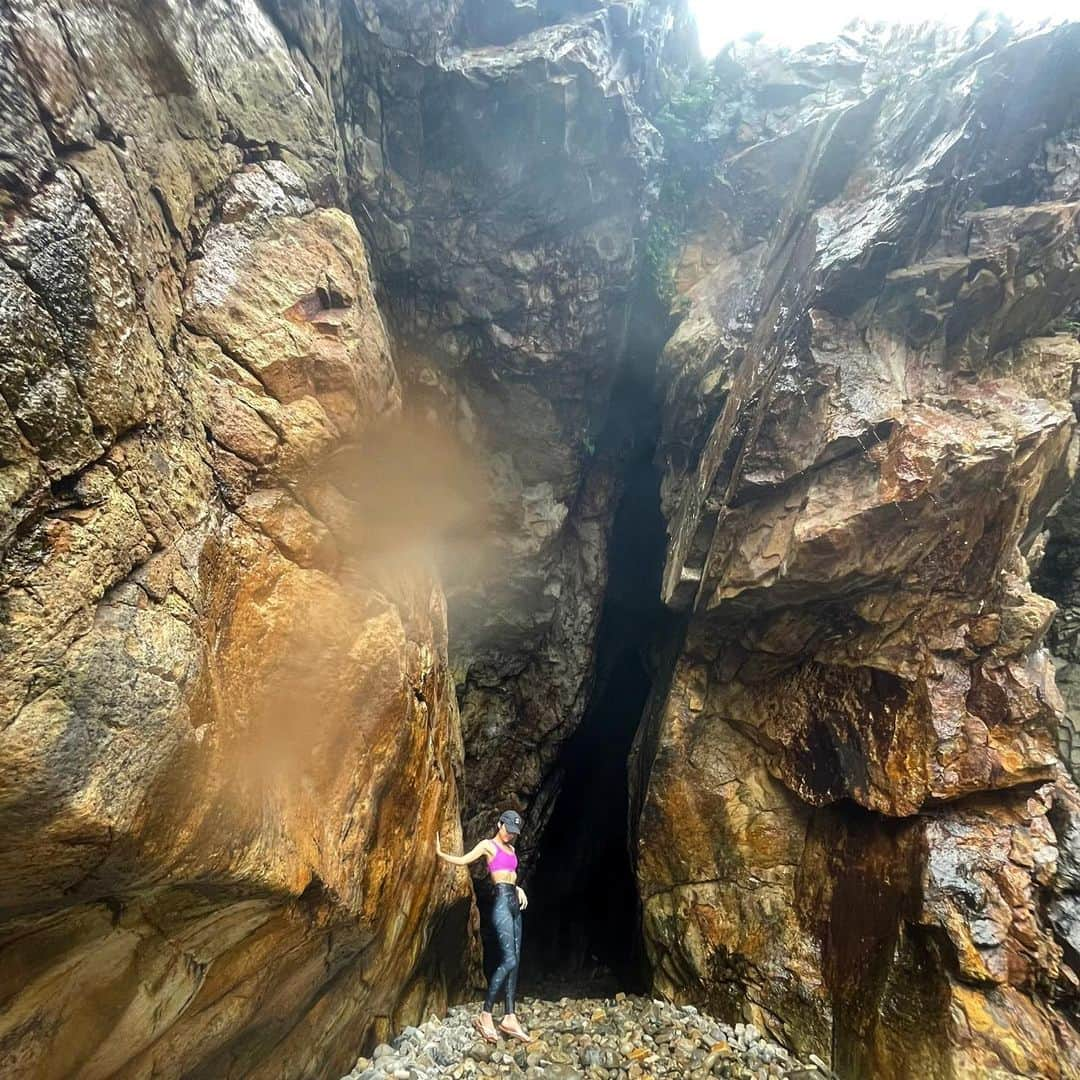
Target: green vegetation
<point>667,230</point>
<point>1067,324</point>
<point>683,121</point>
<point>683,117</point>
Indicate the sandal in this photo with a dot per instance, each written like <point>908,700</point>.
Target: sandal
<point>521,1034</point>
<point>486,1035</point>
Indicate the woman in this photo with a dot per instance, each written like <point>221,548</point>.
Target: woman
<point>510,902</point>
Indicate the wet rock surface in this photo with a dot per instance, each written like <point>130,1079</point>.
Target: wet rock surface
<point>620,1038</point>
<point>218,705</point>
<point>501,171</point>
<point>868,419</point>
<point>242,241</point>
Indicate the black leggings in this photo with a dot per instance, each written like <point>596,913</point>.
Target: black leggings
<point>506,918</point>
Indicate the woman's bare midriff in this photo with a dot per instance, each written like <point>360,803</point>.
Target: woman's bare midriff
<point>504,877</point>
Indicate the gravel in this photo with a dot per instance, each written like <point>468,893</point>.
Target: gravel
<point>619,1038</point>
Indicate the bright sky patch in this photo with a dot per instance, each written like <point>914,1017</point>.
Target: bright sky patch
<point>796,24</point>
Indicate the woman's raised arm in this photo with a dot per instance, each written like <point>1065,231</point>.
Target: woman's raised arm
<point>483,848</point>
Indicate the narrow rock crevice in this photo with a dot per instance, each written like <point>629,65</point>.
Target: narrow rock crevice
<point>585,927</point>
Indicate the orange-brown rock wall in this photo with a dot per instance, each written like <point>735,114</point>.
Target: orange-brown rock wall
<point>851,822</point>
<point>229,673</point>
<point>229,733</point>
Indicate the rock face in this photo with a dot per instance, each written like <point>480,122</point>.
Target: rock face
<point>268,269</point>
<point>849,806</point>
<point>1057,573</point>
<point>499,163</point>
<point>229,732</point>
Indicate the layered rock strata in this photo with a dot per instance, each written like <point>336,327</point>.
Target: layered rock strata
<point>500,164</point>
<point>229,731</point>
<point>850,812</point>
<point>229,673</point>
<point>1056,573</point>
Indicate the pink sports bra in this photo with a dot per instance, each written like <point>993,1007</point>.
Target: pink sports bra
<point>503,860</point>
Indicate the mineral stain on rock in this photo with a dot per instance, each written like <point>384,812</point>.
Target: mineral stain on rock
<point>404,405</point>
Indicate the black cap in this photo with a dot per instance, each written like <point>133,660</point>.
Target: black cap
<point>512,820</point>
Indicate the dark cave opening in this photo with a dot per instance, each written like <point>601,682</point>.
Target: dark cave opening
<point>584,920</point>
<point>584,924</point>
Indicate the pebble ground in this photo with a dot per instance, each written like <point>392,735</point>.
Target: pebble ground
<point>619,1038</point>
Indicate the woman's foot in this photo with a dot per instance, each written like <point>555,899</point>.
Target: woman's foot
<point>510,1026</point>
<point>486,1027</point>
